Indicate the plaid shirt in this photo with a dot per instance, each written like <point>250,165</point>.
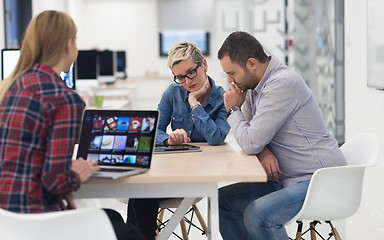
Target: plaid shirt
<point>39,123</point>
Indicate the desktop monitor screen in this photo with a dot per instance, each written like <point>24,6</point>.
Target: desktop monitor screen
<point>170,37</point>
<point>120,61</point>
<point>9,58</point>
<point>107,63</point>
<point>87,64</point>
<point>69,77</point>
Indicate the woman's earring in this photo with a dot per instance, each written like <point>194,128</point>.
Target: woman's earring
<point>182,88</point>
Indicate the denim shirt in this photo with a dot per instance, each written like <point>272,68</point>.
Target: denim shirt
<point>206,123</point>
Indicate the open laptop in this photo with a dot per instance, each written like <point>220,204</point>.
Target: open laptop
<point>122,141</point>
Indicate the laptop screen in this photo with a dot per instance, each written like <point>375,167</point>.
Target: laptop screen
<point>118,137</point>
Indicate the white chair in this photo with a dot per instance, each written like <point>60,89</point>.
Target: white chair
<point>78,224</point>
<point>335,193</point>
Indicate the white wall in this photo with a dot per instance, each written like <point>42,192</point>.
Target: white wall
<point>364,112</point>
<point>129,25</point>
<point>125,25</point>
<point>115,25</point>
<point>134,25</point>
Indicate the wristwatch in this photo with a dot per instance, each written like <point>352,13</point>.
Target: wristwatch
<point>233,109</point>
<point>194,105</point>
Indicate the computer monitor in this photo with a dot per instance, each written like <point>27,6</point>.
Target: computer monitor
<point>120,61</point>
<point>121,64</point>
<point>69,77</point>
<point>107,65</point>
<point>169,38</point>
<point>9,58</point>
<point>87,64</point>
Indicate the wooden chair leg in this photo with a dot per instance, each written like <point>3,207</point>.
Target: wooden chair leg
<point>183,227</point>
<point>160,217</point>
<point>312,226</point>
<point>201,219</point>
<point>299,230</point>
<point>334,231</point>
<point>336,234</point>
<point>184,231</point>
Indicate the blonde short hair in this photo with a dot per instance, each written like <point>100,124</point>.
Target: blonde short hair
<point>184,51</point>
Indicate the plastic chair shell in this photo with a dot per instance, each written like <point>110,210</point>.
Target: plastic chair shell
<point>78,224</point>
<point>335,193</point>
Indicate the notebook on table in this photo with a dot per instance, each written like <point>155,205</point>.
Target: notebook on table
<point>122,141</point>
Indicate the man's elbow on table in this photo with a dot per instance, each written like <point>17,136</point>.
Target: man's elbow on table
<point>251,149</point>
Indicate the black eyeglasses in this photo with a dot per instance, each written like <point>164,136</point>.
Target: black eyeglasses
<point>191,74</point>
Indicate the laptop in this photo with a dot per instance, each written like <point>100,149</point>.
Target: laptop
<point>122,141</point>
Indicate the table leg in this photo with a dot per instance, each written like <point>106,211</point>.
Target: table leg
<point>213,217</point>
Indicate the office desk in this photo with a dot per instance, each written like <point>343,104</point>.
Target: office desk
<point>120,95</point>
<point>112,104</point>
<point>183,175</point>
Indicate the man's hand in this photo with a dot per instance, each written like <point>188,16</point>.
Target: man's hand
<point>234,96</point>
<point>270,164</point>
<point>178,136</point>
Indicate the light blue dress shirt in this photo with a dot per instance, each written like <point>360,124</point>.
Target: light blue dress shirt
<point>207,123</point>
<point>282,113</point>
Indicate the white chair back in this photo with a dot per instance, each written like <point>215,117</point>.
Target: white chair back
<point>362,150</point>
<point>79,224</point>
<point>335,193</point>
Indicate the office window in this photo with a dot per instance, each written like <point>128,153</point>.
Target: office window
<point>17,14</point>
<point>317,53</point>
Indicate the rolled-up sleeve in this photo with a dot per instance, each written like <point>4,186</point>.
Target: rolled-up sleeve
<point>214,130</point>
<point>274,105</point>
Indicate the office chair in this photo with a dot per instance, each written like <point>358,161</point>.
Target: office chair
<point>168,204</point>
<point>335,193</point>
<point>78,224</point>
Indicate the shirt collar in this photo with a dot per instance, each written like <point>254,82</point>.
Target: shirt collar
<point>272,64</point>
<point>43,68</point>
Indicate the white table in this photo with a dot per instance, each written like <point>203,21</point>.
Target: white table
<point>183,175</point>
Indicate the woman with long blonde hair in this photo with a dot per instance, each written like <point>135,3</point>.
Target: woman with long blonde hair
<point>39,122</point>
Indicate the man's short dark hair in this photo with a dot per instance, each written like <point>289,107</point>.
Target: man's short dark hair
<point>240,46</point>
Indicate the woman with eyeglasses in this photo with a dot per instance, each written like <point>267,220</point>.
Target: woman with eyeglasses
<point>193,105</point>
